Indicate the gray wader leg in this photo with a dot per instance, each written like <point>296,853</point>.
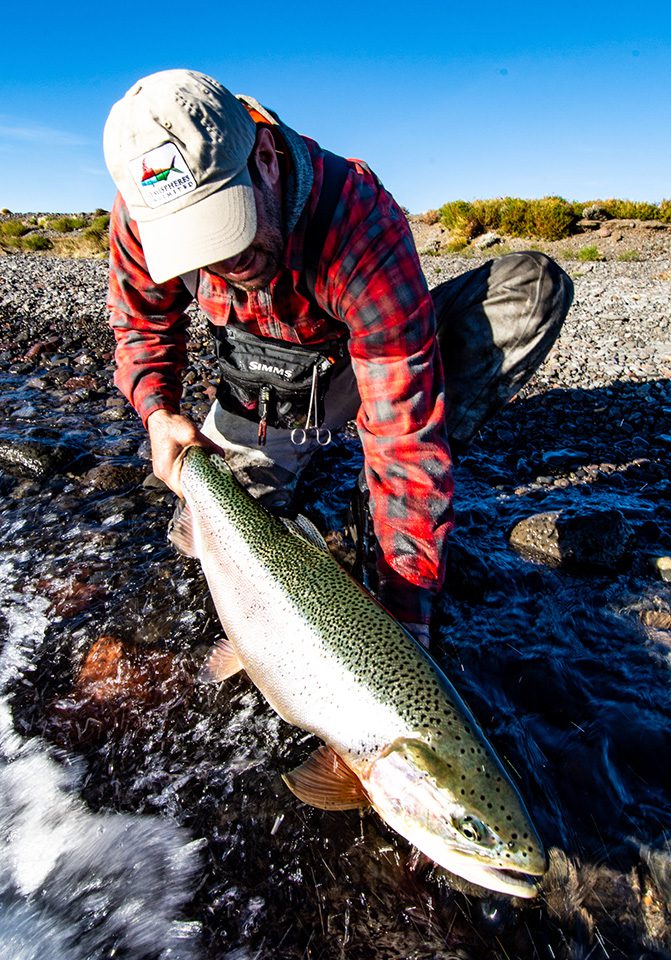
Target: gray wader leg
<point>495,326</point>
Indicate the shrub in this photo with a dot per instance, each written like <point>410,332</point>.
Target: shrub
<point>628,255</point>
<point>5,212</point>
<point>36,241</point>
<point>100,212</point>
<point>551,218</point>
<point>665,211</point>
<point>457,215</point>
<point>99,225</point>
<point>11,229</point>
<point>430,217</point>
<point>590,252</point>
<point>64,224</point>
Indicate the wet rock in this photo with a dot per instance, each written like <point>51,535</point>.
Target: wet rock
<point>597,539</point>
<point>41,347</point>
<point>152,482</point>
<point>112,476</point>
<point>117,684</point>
<point>37,458</point>
<point>80,383</point>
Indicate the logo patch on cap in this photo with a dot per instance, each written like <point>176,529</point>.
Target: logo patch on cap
<point>162,175</point>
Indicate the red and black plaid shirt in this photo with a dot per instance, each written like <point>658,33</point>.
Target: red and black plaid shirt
<point>370,279</point>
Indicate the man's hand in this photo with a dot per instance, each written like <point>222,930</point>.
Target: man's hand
<point>170,434</point>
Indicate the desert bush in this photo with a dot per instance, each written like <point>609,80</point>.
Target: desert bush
<point>460,217</point>
<point>36,241</point>
<point>551,218</point>
<point>12,229</point>
<point>64,224</point>
<point>99,225</point>
<point>456,243</point>
<point>665,211</point>
<point>590,252</point>
<point>5,212</point>
<point>430,217</point>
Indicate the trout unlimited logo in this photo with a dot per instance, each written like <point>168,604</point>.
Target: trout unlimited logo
<point>162,175</point>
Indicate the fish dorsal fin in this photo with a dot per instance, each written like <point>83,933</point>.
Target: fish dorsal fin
<point>306,530</point>
<point>222,663</point>
<point>180,531</point>
<point>325,781</point>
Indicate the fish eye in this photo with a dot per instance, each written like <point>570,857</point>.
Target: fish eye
<point>471,828</point>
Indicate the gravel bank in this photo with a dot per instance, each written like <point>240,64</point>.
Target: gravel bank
<point>619,325</point>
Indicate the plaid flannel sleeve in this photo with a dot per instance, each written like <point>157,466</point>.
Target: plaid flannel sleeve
<point>148,322</point>
<point>382,295</point>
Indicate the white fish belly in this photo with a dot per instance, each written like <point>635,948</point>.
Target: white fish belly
<point>288,659</point>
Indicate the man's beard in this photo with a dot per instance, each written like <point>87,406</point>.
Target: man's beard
<point>267,246</point>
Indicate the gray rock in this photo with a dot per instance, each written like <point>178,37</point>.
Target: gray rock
<point>595,212</point>
<point>111,476</point>
<point>596,539</point>
<point>486,240</point>
<point>36,458</point>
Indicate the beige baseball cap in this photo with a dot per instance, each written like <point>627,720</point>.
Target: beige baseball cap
<point>177,146</point>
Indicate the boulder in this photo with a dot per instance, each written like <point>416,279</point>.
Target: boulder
<point>596,539</point>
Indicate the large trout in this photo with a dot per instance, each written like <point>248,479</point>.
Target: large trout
<point>331,660</point>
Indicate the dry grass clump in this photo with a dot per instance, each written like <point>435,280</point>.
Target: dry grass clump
<point>64,224</point>
<point>85,235</point>
<point>628,209</point>
<point>551,218</point>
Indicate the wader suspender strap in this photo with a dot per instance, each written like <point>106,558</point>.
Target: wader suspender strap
<point>335,173</point>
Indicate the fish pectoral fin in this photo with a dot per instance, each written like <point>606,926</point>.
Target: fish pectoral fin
<point>222,663</point>
<point>180,530</point>
<point>325,781</point>
<point>306,530</point>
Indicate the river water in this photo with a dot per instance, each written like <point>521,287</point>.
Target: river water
<point>143,814</point>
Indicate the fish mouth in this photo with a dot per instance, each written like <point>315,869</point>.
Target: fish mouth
<point>513,882</point>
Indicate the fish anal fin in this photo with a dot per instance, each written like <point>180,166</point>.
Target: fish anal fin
<point>222,663</point>
<point>325,781</point>
<point>180,531</point>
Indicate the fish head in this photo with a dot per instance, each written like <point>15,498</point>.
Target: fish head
<point>465,815</point>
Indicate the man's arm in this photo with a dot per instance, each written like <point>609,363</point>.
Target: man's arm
<point>149,325</point>
<point>375,283</point>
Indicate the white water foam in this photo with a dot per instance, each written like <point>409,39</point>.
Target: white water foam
<point>75,884</point>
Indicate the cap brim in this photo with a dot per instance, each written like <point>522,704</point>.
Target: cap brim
<point>219,226</point>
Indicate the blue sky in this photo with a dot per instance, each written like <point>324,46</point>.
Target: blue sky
<point>444,100</point>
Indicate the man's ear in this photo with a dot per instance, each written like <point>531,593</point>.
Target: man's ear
<point>265,154</point>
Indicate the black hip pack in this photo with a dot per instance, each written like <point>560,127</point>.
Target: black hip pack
<point>272,381</point>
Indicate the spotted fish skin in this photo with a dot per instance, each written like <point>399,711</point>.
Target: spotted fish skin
<point>330,660</point>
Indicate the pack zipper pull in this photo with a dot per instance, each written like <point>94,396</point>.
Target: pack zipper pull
<point>264,404</point>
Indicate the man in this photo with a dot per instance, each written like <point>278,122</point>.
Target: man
<point>307,271</point>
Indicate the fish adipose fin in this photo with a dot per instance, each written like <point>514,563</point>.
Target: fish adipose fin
<point>222,663</point>
<point>306,530</point>
<point>325,781</point>
<point>180,531</point>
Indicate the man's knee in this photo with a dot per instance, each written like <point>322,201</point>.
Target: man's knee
<point>550,289</point>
